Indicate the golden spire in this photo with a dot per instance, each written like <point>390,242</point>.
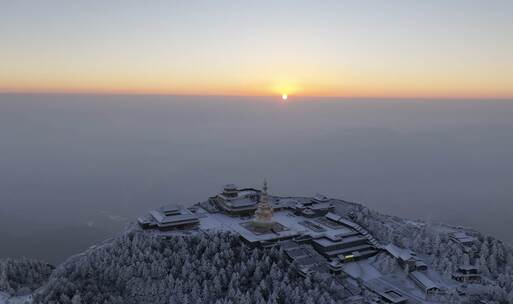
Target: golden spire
<point>264,212</point>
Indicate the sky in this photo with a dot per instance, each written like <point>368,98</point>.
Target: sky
<point>434,49</point>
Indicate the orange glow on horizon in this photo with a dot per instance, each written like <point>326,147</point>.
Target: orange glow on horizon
<point>331,86</point>
<point>324,50</point>
<point>406,94</point>
<point>307,82</point>
<point>257,78</point>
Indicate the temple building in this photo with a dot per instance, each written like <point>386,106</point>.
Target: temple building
<point>263,220</point>
<point>461,238</point>
<point>424,282</point>
<point>169,218</point>
<point>317,234</point>
<point>235,201</point>
<point>406,258</point>
<point>467,274</point>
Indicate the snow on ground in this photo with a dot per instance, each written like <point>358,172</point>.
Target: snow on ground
<point>414,223</point>
<point>401,284</point>
<point>361,270</point>
<point>6,299</point>
<point>398,280</point>
<point>3,297</point>
<point>222,222</point>
<point>17,300</point>
<point>401,281</point>
<point>438,278</point>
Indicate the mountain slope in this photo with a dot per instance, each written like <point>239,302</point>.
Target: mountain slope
<point>201,268</point>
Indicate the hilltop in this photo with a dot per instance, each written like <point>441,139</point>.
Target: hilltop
<point>294,250</point>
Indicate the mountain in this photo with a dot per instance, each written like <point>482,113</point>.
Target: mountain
<point>23,276</point>
<point>389,259</point>
<point>198,268</point>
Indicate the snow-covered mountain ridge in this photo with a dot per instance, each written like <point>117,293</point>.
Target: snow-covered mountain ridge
<point>302,258</point>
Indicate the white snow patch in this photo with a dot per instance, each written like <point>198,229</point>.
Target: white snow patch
<point>361,270</point>
<point>6,299</point>
<point>3,297</point>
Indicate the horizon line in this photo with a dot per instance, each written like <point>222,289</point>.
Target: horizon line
<point>293,96</point>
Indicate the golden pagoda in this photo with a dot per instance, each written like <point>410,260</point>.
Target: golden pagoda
<point>264,213</point>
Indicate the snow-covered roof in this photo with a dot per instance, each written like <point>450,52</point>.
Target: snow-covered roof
<point>462,235</point>
<point>400,253</point>
<point>321,206</point>
<point>468,267</point>
<point>220,221</point>
<point>169,208</point>
<point>394,296</point>
<point>297,252</point>
<point>307,260</point>
<point>241,202</point>
<point>338,218</point>
<point>230,187</point>
<point>170,216</point>
<point>320,198</point>
<point>288,244</point>
<point>327,241</point>
<point>422,280</point>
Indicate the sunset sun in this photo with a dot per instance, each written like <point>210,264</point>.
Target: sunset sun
<point>284,96</point>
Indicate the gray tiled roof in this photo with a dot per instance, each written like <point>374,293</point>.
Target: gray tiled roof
<point>161,218</point>
<point>422,279</point>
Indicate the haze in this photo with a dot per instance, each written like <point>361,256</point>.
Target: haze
<point>111,108</point>
<point>74,169</point>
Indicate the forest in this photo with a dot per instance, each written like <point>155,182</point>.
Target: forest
<point>137,267</point>
<point>22,275</point>
<point>199,268</point>
<point>493,257</point>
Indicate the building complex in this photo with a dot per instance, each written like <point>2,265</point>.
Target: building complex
<point>316,234</point>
